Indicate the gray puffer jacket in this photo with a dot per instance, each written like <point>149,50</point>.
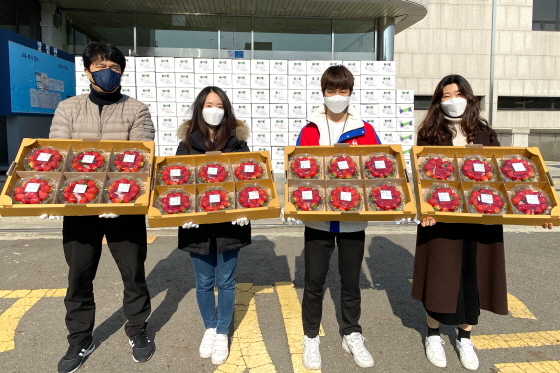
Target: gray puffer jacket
<point>78,118</point>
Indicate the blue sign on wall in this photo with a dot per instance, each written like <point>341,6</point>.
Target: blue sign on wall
<point>35,80</point>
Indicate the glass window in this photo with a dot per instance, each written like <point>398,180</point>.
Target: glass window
<point>528,103</point>
<point>177,31</point>
<point>351,35</point>
<point>235,33</point>
<point>505,102</point>
<point>114,28</point>
<point>556,103</point>
<point>546,15</point>
<point>292,34</point>
<point>538,103</point>
<point>422,102</point>
<point>22,17</point>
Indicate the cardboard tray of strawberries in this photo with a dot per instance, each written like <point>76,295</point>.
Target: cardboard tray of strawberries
<point>78,177</point>
<point>485,185</point>
<point>347,183</point>
<point>212,188</point>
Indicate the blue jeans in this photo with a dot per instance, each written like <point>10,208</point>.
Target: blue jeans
<point>215,269</point>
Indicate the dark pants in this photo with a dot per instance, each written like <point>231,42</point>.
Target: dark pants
<point>318,249</point>
<point>82,240</point>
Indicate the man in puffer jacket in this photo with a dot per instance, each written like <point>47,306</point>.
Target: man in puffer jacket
<point>336,122</point>
<point>107,114</point>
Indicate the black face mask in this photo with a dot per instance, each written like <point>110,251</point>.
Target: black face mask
<point>106,79</point>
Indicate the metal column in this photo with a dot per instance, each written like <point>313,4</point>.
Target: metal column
<point>385,45</point>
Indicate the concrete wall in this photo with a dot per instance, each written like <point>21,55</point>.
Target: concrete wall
<point>455,37</point>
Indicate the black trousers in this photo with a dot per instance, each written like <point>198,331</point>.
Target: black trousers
<point>82,238</point>
<point>319,246</point>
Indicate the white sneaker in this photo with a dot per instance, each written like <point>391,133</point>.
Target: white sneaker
<point>435,351</point>
<point>220,350</point>
<point>466,354</point>
<point>205,348</point>
<point>354,343</point>
<point>311,353</point>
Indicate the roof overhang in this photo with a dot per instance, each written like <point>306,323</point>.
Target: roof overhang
<point>405,12</point>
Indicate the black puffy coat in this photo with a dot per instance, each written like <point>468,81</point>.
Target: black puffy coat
<point>225,236</point>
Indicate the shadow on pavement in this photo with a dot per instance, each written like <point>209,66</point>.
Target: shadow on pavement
<point>173,275</point>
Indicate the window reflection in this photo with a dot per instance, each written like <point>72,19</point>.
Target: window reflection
<point>235,33</point>
<point>351,35</point>
<point>177,31</point>
<point>292,34</point>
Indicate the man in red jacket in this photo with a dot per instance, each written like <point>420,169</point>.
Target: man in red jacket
<point>336,122</point>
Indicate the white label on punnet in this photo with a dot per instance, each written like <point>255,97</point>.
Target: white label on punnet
<point>88,159</point>
<point>212,170</point>
<point>486,198</point>
<point>32,187</point>
<point>532,199</point>
<point>518,167</point>
<point>80,188</point>
<point>305,164</point>
<point>215,198</point>
<point>249,168</point>
<point>175,172</point>
<point>379,164</point>
<point>174,201</point>
<point>123,188</point>
<point>307,195</point>
<point>44,157</point>
<point>346,196</point>
<point>254,195</point>
<point>343,165</point>
<point>386,194</point>
<point>129,158</point>
<point>479,167</point>
<point>444,197</point>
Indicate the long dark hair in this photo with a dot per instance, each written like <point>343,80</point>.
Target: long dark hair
<point>436,130</point>
<point>198,124</point>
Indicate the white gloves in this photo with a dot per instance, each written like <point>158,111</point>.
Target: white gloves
<point>289,221</point>
<point>109,216</point>
<point>50,217</point>
<point>241,222</point>
<point>407,221</point>
<point>190,225</point>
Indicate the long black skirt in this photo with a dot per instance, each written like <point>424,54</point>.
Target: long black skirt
<point>468,305</point>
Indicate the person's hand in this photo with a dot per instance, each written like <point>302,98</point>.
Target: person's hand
<point>190,225</point>
<point>109,216</point>
<point>407,221</point>
<point>50,217</point>
<point>548,225</point>
<point>428,222</point>
<point>289,221</point>
<point>241,222</point>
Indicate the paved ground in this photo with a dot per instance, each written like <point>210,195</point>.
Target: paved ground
<point>267,333</point>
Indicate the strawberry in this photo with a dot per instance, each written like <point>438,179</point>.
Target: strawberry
<point>213,172</point>
<point>44,159</point>
<point>530,200</point>
<point>438,167</point>
<point>305,167</point>
<point>88,161</point>
<point>175,202</point>
<point>386,197</point>
<point>252,196</point>
<point>248,170</point>
<point>175,174</point>
<point>307,198</point>
<point>345,198</point>
<point>343,167</point>
<point>518,168</point>
<point>215,199</point>
<point>443,198</point>
<point>129,161</point>
<point>124,190</point>
<point>477,168</point>
<point>34,190</point>
<point>380,166</point>
<point>486,200</point>
<point>79,191</point>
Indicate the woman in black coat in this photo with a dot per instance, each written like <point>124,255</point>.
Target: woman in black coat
<point>214,247</point>
<point>458,268</point>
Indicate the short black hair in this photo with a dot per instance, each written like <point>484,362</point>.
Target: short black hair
<point>337,77</point>
<point>102,51</point>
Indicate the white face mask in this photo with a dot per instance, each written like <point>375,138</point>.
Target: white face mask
<point>455,107</point>
<point>213,116</point>
<point>337,104</point>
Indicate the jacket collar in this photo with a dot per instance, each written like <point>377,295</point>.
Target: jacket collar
<point>354,125</point>
<point>241,133</point>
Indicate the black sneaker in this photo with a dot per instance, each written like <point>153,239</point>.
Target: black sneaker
<point>142,347</point>
<point>75,356</point>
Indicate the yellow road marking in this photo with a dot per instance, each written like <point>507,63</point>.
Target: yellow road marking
<point>291,312</point>
<point>534,339</point>
<point>535,366</point>
<point>247,350</point>
<point>518,309</point>
<point>10,318</point>
<point>151,239</point>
